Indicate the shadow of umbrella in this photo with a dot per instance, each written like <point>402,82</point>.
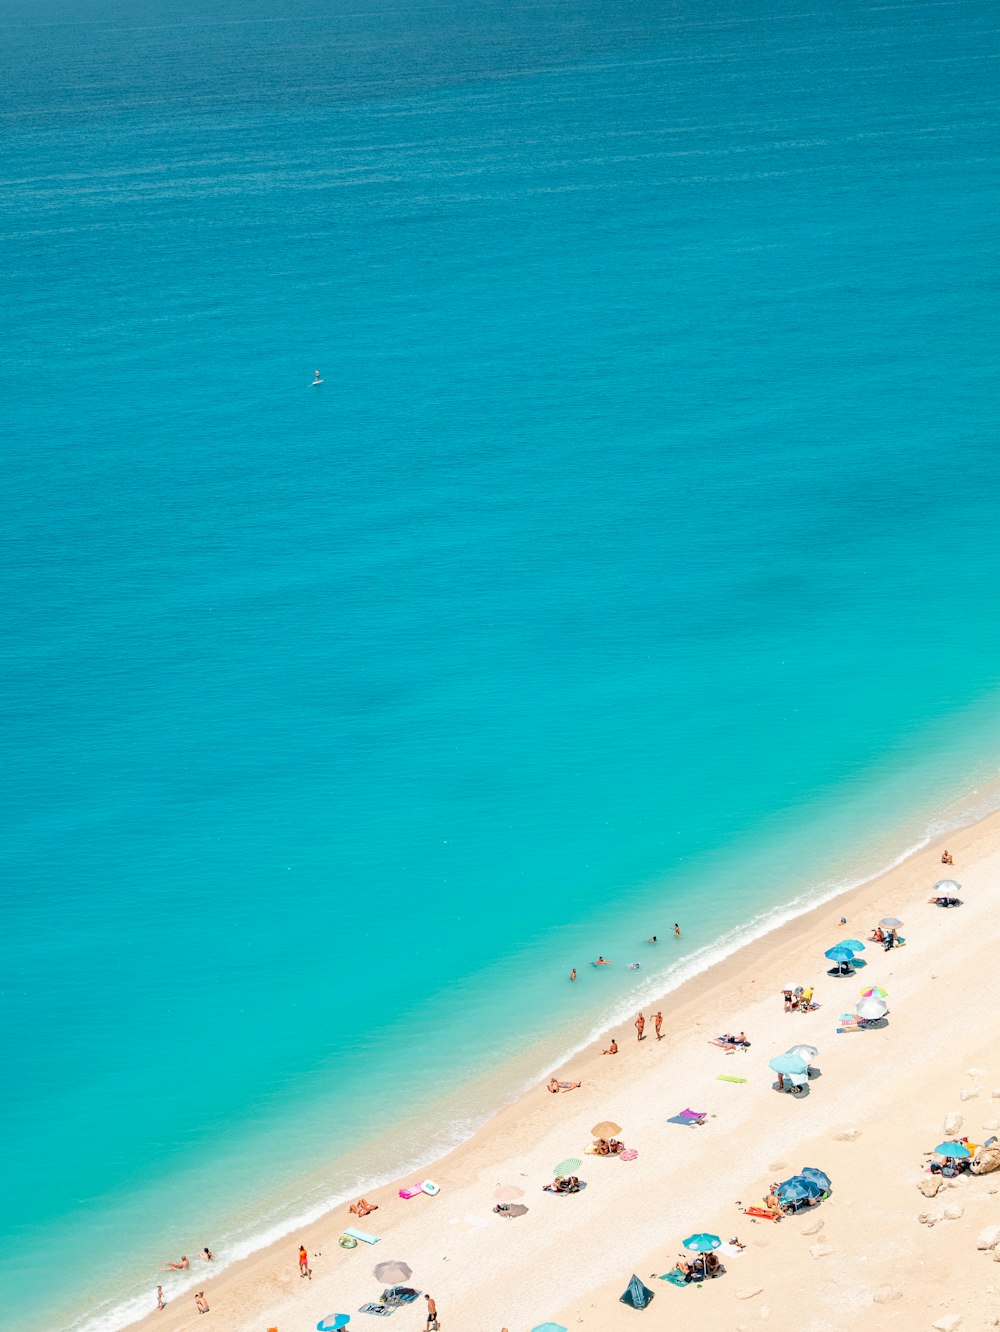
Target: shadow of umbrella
<point>392,1273</point>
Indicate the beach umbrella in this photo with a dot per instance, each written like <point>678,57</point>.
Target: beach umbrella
<point>957,1150</point>
<point>564,1167</point>
<point>946,888</point>
<point>871,1009</point>
<point>607,1128</point>
<point>549,1327</point>
<point>854,944</point>
<point>874,992</point>
<point>891,922</point>
<point>839,954</point>
<point>515,1209</point>
<point>702,1243</point>
<point>819,1177</point>
<point>333,1323</point>
<point>393,1273</point>
<point>788,1063</point>
<point>806,1052</point>
<point>797,1188</point>
<point>510,1192</point>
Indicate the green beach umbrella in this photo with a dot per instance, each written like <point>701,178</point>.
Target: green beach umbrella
<point>568,1166</point>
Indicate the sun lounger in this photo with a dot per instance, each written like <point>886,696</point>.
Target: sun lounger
<point>362,1235</point>
<point>724,1077</point>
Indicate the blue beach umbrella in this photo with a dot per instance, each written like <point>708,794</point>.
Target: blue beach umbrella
<point>702,1243</point>
<point>797,1188</point>
<point>839,954</point>
<point>549,1327</point>
<point>819,1177</point>
<point>788,1063</point>
<point>855,944</point>
<point>890,922</point>
<point>333,1323</point>
<point>957,1150</point>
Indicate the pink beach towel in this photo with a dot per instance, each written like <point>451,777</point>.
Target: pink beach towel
<point>629,1154</point>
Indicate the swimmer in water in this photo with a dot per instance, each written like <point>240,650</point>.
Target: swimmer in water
<point>317,377</point>
<point>602,961</point>
<point>572,974</point>
<point>677,930</point>
<point>653,940</point>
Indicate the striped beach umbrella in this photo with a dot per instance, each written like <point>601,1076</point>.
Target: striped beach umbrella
<point>874,992</point>
<point>508,1193</point>
<point>568,1166</point>
<point>607,1128</point>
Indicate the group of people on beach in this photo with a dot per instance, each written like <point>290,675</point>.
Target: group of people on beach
<point>798,999</point>
<point>183,1264</point>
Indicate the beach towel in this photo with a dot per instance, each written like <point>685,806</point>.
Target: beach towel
<point>761,1212</point>
<point>676,1278</point>
<point>565,1193</point>
<point>362,1235</point>
<point>688,1117</point>
<point>724,1077</point>
<point>629,1154</point>
<point>411,1190</point>
<point>379,1310</point>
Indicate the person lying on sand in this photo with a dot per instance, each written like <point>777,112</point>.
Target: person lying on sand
<point>602,1147</point>
<point>182,1266</point>
<point>362,1207</point>
<point>685,1268</point>
<point>614,1146</point>
<point>612,1048</point>
<point>554,1085</point>
<point>735,1241</point>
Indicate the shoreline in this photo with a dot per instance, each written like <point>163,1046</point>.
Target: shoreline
<point>707,988</point>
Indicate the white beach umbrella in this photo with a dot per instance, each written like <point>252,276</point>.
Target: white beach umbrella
<point>806,1052</point>
<point>871,1009</point>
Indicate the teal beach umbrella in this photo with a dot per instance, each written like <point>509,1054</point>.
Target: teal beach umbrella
<point>855,944</point>
<point>788,1064</point>
<point>956,1150</point>
<point>702,1243</point>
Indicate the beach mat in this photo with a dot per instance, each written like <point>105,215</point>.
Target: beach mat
<point>761,1213</point>
<point>724,1077</point>
<point>676,1278</point>
<point>362,1235</point>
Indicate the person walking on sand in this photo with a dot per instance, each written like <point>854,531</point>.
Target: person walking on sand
<point>432,1312</point>
<point>677,930</point>
<point>657,1020</point>
<point>160,1301</point>
<point>304,1262</point>
<point>640,1024</point>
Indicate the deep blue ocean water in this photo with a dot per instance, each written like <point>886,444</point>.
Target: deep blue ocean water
<point>637,559</point>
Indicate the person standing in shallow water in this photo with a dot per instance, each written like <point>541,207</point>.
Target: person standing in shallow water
<point>677,930</point>
<point>160,1301</point>
<point>572,974</point>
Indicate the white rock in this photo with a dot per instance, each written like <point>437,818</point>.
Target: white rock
<point>848,1135</point>
<point>976,1072</point>
<point>948,1323</point>
<point>996,1254</point>
<point>929,1185</point>
<point>929,1218</point>
<point>765,1312</point>
<point>747,1292</point>
<point>969,1094</point>
<point>988,1238</point>
<point>952,1123</point>
<point>820,1250</point>
<point>992,1124</point>
<point>815,1228</point>
<point>886,1294</point>
<point>953,1211</point>
<point>996,1093</point>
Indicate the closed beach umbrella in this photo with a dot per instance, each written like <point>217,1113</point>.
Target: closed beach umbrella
<point>568,1166</point>
<point>874,992</point>
<point>393,1273</point>
<point>788,1063</point>
<point>702,1243</point>
<point>871,1009</point>
<point>839,954</point>
<point>819,1177</point>
<point>510,1192</point>
<point>957,1150</point>
<point>890,922</point>
<point>947,888</point>
<point>333,1323</point>
<point>854,944</point>
<point>806,1052</point>
<point>607,1128</point>
<point>797,1188</point>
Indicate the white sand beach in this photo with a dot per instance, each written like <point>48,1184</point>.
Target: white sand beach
<point>862,1259</point>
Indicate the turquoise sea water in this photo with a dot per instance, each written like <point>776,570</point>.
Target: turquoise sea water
<point>636,561</point>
